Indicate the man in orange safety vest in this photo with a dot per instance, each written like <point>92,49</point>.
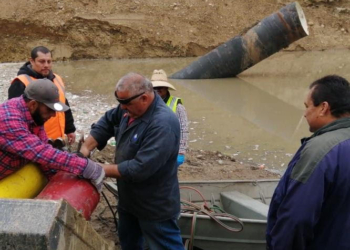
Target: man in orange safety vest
<point>39,66</point>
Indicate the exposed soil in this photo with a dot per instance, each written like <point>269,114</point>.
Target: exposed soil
<point>76,29</point>
<point>205,165</point>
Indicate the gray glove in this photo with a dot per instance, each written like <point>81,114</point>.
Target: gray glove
<point>95,173</point>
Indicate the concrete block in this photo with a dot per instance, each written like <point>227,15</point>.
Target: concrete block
<point>46,225</point>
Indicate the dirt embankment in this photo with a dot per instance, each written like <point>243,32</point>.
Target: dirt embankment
<point>77,29</point>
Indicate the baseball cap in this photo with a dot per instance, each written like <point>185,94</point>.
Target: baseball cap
<point>45,91</point>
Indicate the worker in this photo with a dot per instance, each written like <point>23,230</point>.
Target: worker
<point>311,204</point>
<point>23,139</point>
<point>147,135</point>
<point>161,86</point>
<point>39,66</point>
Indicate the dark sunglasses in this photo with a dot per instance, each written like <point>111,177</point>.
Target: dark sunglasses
<point>126,101</point>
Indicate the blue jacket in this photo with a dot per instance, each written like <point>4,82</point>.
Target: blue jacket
<point>146,154</point>
<point>310,208</point>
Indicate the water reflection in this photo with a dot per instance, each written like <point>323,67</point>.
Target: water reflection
<point>251,103</point>
<point>256,117</point>
<point>287,75</point>
<point>101,76</point>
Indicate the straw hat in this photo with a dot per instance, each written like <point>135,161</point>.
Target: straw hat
<point>160,79</point>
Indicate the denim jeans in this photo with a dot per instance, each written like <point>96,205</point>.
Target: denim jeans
<point>159,235</point>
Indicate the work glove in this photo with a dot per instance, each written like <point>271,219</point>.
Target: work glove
<point>94,172</point>
<point>180,159</point>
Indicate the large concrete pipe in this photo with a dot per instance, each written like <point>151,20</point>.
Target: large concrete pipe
<point>272,34</point>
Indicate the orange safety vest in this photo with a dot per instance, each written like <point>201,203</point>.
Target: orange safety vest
<point>55,126</point>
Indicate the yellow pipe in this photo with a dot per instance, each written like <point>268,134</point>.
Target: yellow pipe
<point>23,184</point>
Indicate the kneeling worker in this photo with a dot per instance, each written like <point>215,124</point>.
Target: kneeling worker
<point>23,139</point>
<point>161,86</point>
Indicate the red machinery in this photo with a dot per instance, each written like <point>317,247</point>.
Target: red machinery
<point>78,192</point>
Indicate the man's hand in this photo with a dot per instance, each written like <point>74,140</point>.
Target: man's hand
<point>94,172</point>
<point>71,138</point>
<point>111,170</point>
<point>88,145</point>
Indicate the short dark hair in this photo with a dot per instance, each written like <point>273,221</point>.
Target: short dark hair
<point>42,49</point>
<point>335,90</point>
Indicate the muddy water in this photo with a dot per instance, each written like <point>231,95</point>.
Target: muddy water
<point>257,117</point>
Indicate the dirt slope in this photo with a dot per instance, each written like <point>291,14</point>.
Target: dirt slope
<point>77,29</point>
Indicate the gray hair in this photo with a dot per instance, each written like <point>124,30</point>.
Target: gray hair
<point>134,83</point>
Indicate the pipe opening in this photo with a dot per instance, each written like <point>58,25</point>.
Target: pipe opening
<point>302,18</point>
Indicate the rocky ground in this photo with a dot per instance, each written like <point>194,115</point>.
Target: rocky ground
<point>76,29</point>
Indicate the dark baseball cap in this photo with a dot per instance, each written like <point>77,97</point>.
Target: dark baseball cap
<point>45,91</point>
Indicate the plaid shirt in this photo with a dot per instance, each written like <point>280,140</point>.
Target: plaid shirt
<point>22,141</point>
<point>181,114</point>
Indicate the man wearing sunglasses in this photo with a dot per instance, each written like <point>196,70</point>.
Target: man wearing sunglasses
<point>147,135</point>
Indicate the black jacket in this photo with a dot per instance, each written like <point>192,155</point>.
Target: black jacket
<point>17,89</point>
<point>146,153</point>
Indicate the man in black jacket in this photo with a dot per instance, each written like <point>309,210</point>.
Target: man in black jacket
<point>147,135</point>
<point>39,66</point>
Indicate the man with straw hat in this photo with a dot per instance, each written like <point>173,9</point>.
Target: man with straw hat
<point>161,86</point>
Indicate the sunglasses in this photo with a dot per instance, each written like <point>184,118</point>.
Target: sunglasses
<point>126,101</point>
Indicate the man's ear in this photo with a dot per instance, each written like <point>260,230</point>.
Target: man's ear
<point>32,106</point>
<point>31,60</point>
<point>144,98</point>
<point>326,109</point>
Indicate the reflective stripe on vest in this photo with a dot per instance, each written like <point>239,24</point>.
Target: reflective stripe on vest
<point>55,126</point>
<point>172,103</point>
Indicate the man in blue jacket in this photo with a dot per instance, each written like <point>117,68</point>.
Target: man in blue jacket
<point>147,135</point>
<point>310,208</point>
